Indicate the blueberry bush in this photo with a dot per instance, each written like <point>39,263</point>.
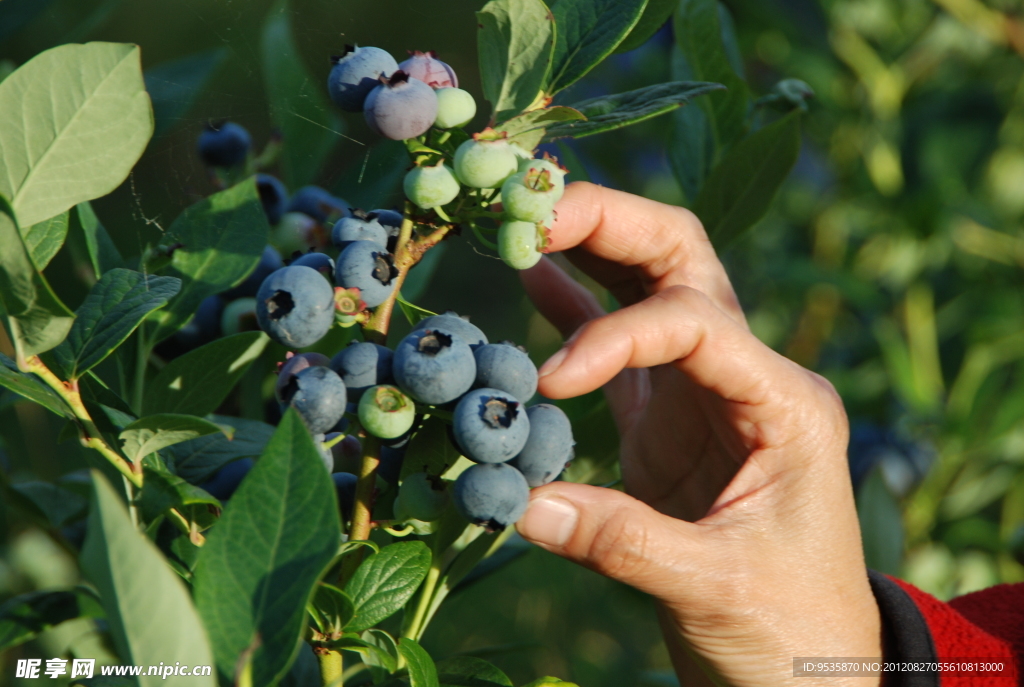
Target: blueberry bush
<point>177,374</point>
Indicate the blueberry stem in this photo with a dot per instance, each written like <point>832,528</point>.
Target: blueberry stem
<point>363,506</point>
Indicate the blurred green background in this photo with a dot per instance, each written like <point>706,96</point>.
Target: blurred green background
<point>892,263</point>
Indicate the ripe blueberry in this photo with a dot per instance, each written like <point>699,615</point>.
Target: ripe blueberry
<point>224,144</point>
<point>549,446</point>
<point>422,496</point>
<point>318,204</point>
<point>225,481</point>
<point>506,367</point>
<point>273,195</point>
<point>492,495</point>
<point>204,326</point>
<point>320,262</point>
<point>401,107</point>
<point>431,186</point>
<point>345,486</point>
<point>434,365</point>
<point>390,463</point>
<point>455,108</point>
<point>490,425</point>
<point>361,226</point>
<point>392,223</point>
<point>318,394</point>
<point>486,160</point>
<point>296,363</point>
<point>385,412</point>
<point>427,68</point>
<point>325,453</point>
<point>366,266</point>
<point>356,73</point>
<point>295,306</point>
<point>362,365</point>
<point>452,321</point>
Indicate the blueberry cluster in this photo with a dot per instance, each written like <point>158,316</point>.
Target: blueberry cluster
<point>444,366</point>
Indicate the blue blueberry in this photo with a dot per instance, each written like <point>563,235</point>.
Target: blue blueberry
<point>318,394</point>
<point>345,486</point>
<point>225,481</point>
<point>359,227</point>
<point>295,306</point>
<point>494,495</point>
<point>549,447</point>
<point>348,453</point>
<point>366,266</point>
<point>204,326</point>
<point>356,73</point>
<point>391,220</point>
<point>273,195</point>
<point>490,425</point>
<point>451,321</point>
<point>326,455</point>
<point>317,203</point>
<point>270,262</point>
<point>293,366</point>
<point>224,144</point>
<point>362,365</point>
<point>507,367</point>
<point>434,365</point>
<point>401,108</point>
<point>320,262</point>
<point>390,463</point>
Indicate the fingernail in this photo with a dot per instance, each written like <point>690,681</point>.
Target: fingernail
<point>549,521</point>
<point>553,363</point>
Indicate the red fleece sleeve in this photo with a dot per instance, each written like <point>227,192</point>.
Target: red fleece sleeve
<point>988,624</point>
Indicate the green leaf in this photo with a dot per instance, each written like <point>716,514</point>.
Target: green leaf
<point>197,382</point>
<point>622,109</point>
<point>692,150</point>
<point>430,450</point>
<point>45,238</point>
<point>527,129</point>
<point>330,608</point>
<point>28,386</point>
<point>698,33</point>
<point>77,119</point>
<point>163,490</point>
<point>261,562</point>
<point>516,43</point>
<point>221,239</point>
<point>58,506</point>
<point>154,432</point>
<point>103,254</point>
<point>743,185</point>
<point>377,648</point>
<point>151,616</point>
<point>422,671</point>
<point>469,671</point>
<point>588,31</point>
<point>175,85</point>
<point>24,617</point>
<point>197,459</point>
<point>115,306</point>
<point>35,318</point>
<point>654,17</point>
<point>298,105</point>
<point>413,313</point>
<point>385,581</point>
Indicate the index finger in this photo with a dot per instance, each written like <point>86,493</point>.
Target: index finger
<point>635,247</point>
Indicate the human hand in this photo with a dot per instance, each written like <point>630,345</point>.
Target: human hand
<point>738,515</point>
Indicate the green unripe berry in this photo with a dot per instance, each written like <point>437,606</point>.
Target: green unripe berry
<point>455,108</point>
<point>485,161</point>
<point>295,232</point>
<point>557,173</point>
<point>430,187</point>
<point>239,316</point>
<point>519,243</point>
<point>529,196</point>
<point>386,412</point>
<point>422,497</point>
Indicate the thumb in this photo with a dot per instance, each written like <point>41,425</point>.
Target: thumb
<point>616,535</point>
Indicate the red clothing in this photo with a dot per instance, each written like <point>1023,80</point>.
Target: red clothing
<point>986,625</point>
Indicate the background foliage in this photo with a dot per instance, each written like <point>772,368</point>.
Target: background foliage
<point>891,263</point>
